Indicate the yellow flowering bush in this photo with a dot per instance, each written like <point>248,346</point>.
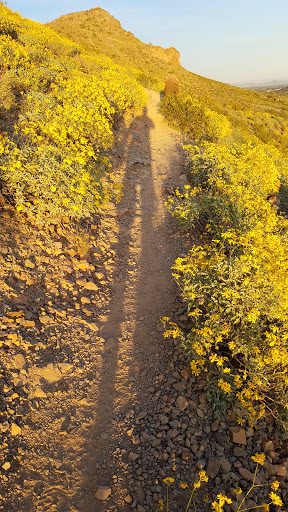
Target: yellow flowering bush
<point>218,504</point>
<point>235,284</point>
<point>194,118</point>
<point>55,160</point>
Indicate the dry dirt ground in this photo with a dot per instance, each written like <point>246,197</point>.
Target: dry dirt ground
<point>87,330</point>
<point>91,394</point>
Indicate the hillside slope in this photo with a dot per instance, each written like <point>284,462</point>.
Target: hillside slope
<point>100,32</point>
<point>264,115</point>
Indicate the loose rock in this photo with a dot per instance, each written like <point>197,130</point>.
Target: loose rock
<point>103,492</point>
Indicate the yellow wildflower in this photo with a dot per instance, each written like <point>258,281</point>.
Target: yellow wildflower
<point>276,500</point>
<point>216,506</point>
<point>259,458</point>
<point>275,485</point>
<point>168,480</point>
<point>225,386</point>
<point>203,477</point>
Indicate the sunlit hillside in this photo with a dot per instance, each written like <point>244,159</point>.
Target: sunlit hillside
<point>265,115</point>
<point>97,176</point>
<point>58,105</point>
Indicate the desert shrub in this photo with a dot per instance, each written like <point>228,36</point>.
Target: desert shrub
<point>235,284</point>
<point>186,114</point>
<point>55,162</point>
<point>6,92</point>
<point>193,118</point>
<point>237,498</point>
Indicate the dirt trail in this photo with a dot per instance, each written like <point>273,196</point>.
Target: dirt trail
<point>74,424</point>
<point>90,394</point>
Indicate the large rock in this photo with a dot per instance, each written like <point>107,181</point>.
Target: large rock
<point>103,492</point>
<point>15,429</point>
<point>238,435</point>
<point>90,285</point>
<point>50,373</point>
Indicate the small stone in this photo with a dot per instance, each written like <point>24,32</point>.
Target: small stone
<point>201,463</point>
<point>90,286</point>
<point>4,426</point>
<point>163,419</point>
<point>29,264</point>
<point>281,470</point>
<point>181,403</point>
<point>225,465</point>
<point>39,393</point>
<point>186,454</point>
<point>180,386</point>
<point>81,282</point>
<point>110,344</point>
<point>240,452</point>
<point>247,475</point>
<point>213,467</point>
<point>141,493</point>
<point>140,508</point>
<point>141,415</point>
<point>93,326</point>
<point>267,446</point>
<point>133,456</point>
<point>215,425</point>
<point>65,367</point>
<point>50,373</point>
<point>103,492</point>
<point>183,178</point>
<point>238,435</point>
<point>128,498</point>
<point>19,361</point>
<point>271,470</point>
<point>6,466</point>
<point>44,319</point>
<point>15,429</point>
<point>85,300</point>
<point>87,312</point>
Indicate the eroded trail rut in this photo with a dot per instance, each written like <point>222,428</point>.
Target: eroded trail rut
<point>75,435</point>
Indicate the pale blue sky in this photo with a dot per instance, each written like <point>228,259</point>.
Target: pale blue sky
<point>227,40</point>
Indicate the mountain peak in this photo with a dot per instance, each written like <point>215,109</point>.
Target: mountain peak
<point>97,30</point>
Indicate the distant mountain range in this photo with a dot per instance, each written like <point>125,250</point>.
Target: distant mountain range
<point>272,84</point>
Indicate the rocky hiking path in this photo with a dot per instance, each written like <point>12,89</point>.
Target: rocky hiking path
<point>98,407</point>
<point>98,352</point>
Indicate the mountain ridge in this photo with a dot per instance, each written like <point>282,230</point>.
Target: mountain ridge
<point>106,24</point>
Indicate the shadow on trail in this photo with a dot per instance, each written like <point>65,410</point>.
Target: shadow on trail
<point>139,293</point>
<point>120,363</point>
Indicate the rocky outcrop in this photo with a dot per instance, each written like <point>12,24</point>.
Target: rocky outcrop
<point>167,54</point>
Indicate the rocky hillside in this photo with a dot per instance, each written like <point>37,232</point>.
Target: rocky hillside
<point>258,113</point>
<point>97,30</point>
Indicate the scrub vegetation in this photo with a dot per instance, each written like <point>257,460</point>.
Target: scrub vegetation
<point>60,101</point>
<point>58,106</point>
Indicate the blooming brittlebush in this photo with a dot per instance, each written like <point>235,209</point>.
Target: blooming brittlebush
<point>236,282</point>
<point>55,162</point>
